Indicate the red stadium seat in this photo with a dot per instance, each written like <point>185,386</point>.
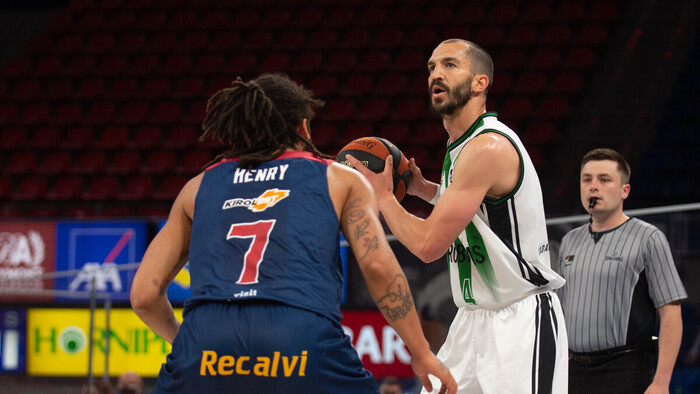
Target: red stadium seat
<point>276,18</point>
<point>101,113</point>
<point>374,62</point>
<point>569,12</point>
<point>391,85</point>
<point>176,64</point>
<point>146,137</point>
<point>159,162</point>
<point>504,13</point>
<point>113,137</point>
<point>90,162</point>
<point>430,134</point>
<point>195,112</point>
<point>489,36</point>
<point>536,13</point>
<point>341,62</point>
<point>181,137</point>
<point>517,108</point>
<point>163,42</point>
<point>357,85</point>
<point>213,19</point>
<point>579,58</point>
<point>189,88</point>
<point>100,44</point>
<point>59,89</point>
<point>323,134</point>
<point>324,85</point>
<point>77,138</point>
<point>469,13</point>
<point>397,133</point>
<point>307,62</point>
<point>183,20</point>
<point>12,138</point>
<point>170,187</point>
<point>56,162</point>
<point>566,82</point>
<point>245,18</point>
<point>166,113</point>
<point>420,38</point>
<point>553,108</point>
<point>372,16</point>
<point>68,44</point>
<point>522,35</point>
<point>5,188</point>
<point>124,162</point>
<point>79,66</point>
<point>502,82</point>
<point>131,43</point>
<point>101,188</point>
<point>410,109</point>
<point>532,82</point>
<point>154,88</point>
<point>322,40</point>
<point>17,66</point>
<point>387,38</point>
<point>592,35</point>
<point>46,137</point>
<point>135,112</point>
<point>374,110</point>
<point>48,66</point>
<point>355,39</point>
<point>274,62</point>
<point>411,61</point>
<point>257,40</point>
<point>354,131</point>
<point>308,18</point>
<point>209,64</point>
<point>66,188</point>
<point>89,22</point>
<point>338,110</point>
<point>120,21</point>
<point>137,187</point>
<point>193,160</point>
<point>152,21</point>
<point>8,113</point>
<point>603,11</point>
<point>91,88</point>
<point>68,114</point>
<point>21,163</point>
<point>122,88</point>
<point>26,90</point>
<point>31,189</point>
<point>545,59</point>
<point>339,17</point>
<point>510,58</point>
<point>224,41</point>
<point>39,44</point>
<point>289,40</point>
<point>113,65</point>
<point>242,63</point>
<point>144,65</point>
<point>35,114</point>
<point>539,133</point>
<point>557,35</point>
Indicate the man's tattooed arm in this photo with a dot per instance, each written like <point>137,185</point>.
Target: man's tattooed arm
<point>397,301</point>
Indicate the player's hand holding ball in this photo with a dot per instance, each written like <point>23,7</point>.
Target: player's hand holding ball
<point>373,153</point>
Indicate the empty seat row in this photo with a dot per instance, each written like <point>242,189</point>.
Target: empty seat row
<point>289,14</point>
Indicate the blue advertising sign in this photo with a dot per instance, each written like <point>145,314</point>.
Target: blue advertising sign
<point>99,250</point>
<point>179,290</point>
<point>13,340</point>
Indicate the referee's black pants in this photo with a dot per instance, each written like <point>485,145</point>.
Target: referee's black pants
<point>625,373</point>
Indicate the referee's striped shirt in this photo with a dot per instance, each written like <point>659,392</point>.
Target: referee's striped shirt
<point>615,280</point>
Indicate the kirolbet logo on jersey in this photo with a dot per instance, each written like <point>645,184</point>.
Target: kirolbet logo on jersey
<point>266,200</point>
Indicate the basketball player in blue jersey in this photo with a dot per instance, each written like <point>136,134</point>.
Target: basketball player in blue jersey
<point>261,229</point>
<point>508,335</point>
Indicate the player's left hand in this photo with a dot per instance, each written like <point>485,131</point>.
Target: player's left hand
<point>382,183</point>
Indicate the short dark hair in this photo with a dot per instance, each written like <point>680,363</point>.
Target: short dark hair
<point>623,166</point>
<point>258,119</point>
<point>480,60</point>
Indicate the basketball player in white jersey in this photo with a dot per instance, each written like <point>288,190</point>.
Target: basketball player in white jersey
<point>508,335</point>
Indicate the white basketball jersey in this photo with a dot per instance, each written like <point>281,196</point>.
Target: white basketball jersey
<point>503,254</point>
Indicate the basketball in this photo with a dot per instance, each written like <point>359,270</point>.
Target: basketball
<point>372,152</point>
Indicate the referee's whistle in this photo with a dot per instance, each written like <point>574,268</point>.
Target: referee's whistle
<point>591,202</point>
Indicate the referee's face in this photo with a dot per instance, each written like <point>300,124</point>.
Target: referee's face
<point>600,180</point>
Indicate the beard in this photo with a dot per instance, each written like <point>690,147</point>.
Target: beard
<point>456,98</point>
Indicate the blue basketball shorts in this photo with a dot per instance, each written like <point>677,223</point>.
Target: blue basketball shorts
<point>261,348</point>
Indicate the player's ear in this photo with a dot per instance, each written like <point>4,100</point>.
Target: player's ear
<point>480,82</point>
<point>304,129</point>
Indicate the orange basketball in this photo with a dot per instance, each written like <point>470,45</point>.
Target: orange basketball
<point>372,152</point>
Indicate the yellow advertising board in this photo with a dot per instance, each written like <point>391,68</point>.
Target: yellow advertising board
<point>58,343</point>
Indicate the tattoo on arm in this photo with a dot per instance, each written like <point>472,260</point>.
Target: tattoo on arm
<point>370,243</point>
<point>353,212</point>
<point>163,287</point>
<point>361,228</point>
<point>397,302</point>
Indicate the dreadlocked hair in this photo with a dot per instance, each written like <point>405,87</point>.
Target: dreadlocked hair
<point>259,119</point>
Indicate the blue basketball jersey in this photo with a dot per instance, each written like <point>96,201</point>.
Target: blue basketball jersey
<point>270,233</point>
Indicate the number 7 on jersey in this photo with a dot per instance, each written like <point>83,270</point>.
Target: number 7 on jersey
<point>260,232</point>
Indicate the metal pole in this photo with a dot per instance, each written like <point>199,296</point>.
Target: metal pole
<point>108,307</point>
<point>93,298</point>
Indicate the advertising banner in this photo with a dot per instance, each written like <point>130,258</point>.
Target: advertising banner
<point>27,250</point>
<point>99,250</point>
<point>380,348</point>
<point>13,326</point>
<point>58,343</point>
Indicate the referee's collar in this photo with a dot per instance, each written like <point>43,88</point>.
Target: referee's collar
<point>599,234</point>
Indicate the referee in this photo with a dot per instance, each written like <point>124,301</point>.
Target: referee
<point>619,272</point>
